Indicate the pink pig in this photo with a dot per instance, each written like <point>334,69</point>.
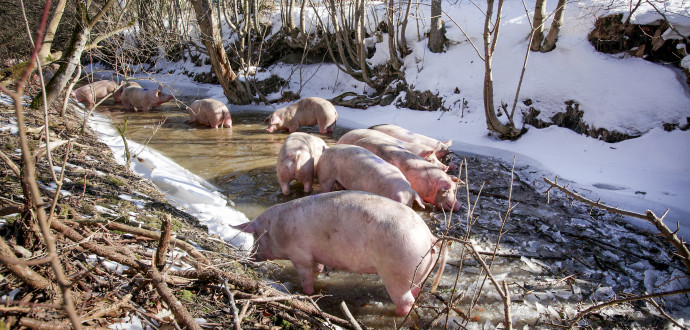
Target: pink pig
<point>95,91</point>
<point>117,96</point>
<point>297,160</point>
<point>418,149</point>
<point>353,231</point>
<point>209,112</point>
<point>307,112</point>
<point>137,98</point>
<point>355,168</point>
<point>442,148</point>
<point>433,184</point>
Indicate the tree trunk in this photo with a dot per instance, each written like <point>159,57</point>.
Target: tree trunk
<point>403,41</point>
<point>392,48</point>
<point>210,36</point>
<point>50,32</point>
<point>437,34</point>
<point>490,38</point>
<point>552,37</point>
<point>538,25</point>
<point>70,59</point>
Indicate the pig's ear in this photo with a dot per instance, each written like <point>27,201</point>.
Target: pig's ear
<point>426,154</point>
<point>455,178</point>
<point>444,185</point>
<point>438,147</point>
<point>448,143</point>
<point>268,119</point>
<point>247,227</point>
<point>419,200</point>
<point>275,120</point>
<point>294,155</point>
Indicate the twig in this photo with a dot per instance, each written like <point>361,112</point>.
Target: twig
<point>10,163</point>
<point>231,297</point>
<point>597,307</point>
<point>649,216</point>
<point>181,313</point>
<point>349,316</point>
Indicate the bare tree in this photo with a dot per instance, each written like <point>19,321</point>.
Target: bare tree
<point>72,54</point>
<point>549,43</point>
<point>491,29</point>
<point>437,33</point>
<point>233,88</point>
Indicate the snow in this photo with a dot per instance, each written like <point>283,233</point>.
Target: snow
<point>615,92</point>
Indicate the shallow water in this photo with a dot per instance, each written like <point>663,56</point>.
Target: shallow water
<point>240,161</point>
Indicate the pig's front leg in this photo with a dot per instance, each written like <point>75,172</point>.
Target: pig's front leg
<point>307,271</point>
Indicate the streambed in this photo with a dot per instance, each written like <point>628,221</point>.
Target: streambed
<point>542,244</point>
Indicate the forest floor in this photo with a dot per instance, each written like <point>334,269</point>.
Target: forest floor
<point>558,258</point>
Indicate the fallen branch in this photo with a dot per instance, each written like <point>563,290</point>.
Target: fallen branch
<point>190,249</point>
<point>649,216</point>
<point>595,308</point>
<point>349,316</point>
<point>163,243</point>
<point>180,312</point>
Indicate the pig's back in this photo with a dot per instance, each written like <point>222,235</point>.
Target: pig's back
<point>353,230</point>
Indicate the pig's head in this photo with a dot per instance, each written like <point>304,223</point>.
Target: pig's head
<point>162,97</point>
<point>274,123</point>
<point>445,196</point>
<point>443,148</point>
<point>262,247</point>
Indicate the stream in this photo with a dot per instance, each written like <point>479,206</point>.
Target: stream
<point>542,243</point>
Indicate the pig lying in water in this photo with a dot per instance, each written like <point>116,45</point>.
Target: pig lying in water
<point>418,149</point>
<point>209,112</point>
<point>433,184</point>
<point>355,168</point>
<point>353,231</point>
<point>95,91</point>
<point>297,160</point>
<point>307,112</point>
<point>442,148</point>
<point>137,98</point>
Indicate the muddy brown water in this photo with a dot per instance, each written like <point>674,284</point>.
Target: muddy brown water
<point>240,161</point>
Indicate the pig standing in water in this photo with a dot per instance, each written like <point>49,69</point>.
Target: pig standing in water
<point>297,160</point>
<point>418,149</point>
<point>137,98</point>
<point>355,168</point>
<point>209,112</point>
<point>433,184</point>
<point>442,148</point>
<point>118,94</point>
<point>307,112</point>
<point>95,91</point>
<point>353,231</point>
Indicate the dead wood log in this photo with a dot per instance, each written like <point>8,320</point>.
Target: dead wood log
<point>42,325</point>
<point>163,243</point>
<point>26,274</point>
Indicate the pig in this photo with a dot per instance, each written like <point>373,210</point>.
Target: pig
<point>307,112</point>
<point>209,112</point>
<point>430,182</point>
<point>297,159</point>
<point>418,149</point>
<point>137,98</point>
<point>354,231</point>
<point>442,148</point>
<point>355,168</point>
<point>117,96</point>
<point>94,91</point>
